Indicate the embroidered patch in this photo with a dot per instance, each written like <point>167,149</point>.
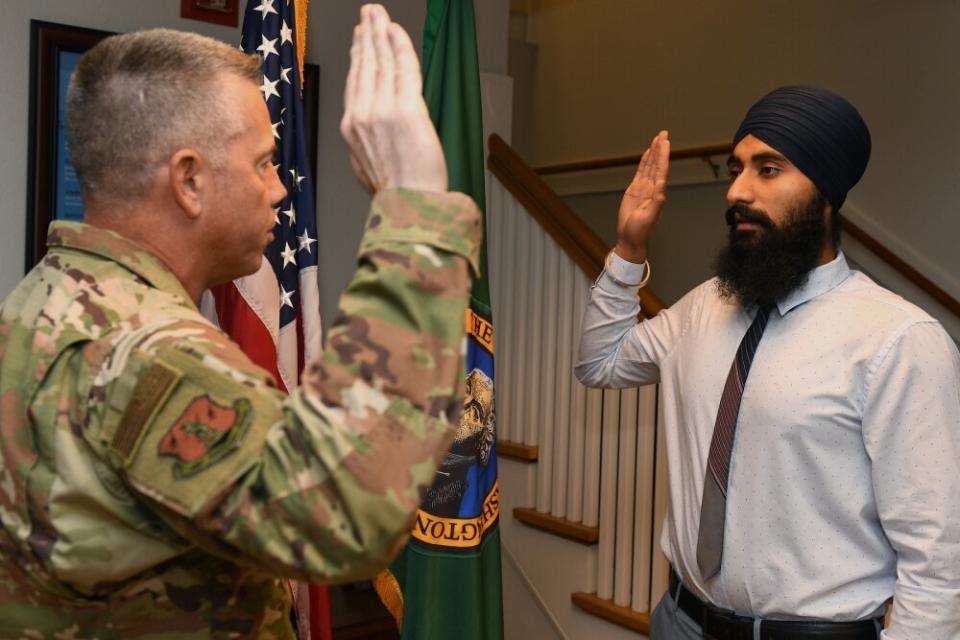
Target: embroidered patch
<point>151,389</point>
<point>204,434</point>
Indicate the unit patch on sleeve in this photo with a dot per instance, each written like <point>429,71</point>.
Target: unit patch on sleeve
<point>205,433</point>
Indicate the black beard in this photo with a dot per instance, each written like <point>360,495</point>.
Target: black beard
<point>764,265</point>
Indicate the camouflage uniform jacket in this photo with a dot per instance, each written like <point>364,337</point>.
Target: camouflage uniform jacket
<point>155,483</point>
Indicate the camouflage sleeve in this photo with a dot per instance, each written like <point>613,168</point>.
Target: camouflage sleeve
<point>322,485</point>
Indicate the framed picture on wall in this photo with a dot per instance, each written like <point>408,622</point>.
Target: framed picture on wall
<point>223,12</point>
<point>53,192</point>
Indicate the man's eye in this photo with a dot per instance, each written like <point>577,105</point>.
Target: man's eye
<point>769,170</point>
<point>733,173</point>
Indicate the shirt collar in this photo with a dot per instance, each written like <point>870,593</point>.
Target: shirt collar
<point>116,248</point>
<point>821,279</point>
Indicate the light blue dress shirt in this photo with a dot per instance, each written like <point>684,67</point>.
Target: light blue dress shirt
<point>844,485</point>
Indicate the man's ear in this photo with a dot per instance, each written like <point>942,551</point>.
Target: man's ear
<point>834,225</point>
<point>829,216</point>
<point>189,180</point>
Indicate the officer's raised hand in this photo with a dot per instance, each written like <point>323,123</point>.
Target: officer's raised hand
<point>385,122</point>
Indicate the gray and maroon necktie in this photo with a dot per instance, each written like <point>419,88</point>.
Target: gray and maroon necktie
<point>713,507</point>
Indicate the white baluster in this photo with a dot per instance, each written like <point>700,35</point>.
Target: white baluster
<point>494,238</point>
<point>548,375</point>
<point>660,570</point>
<point>608,493</point>
<point>534,321</point>
<point>520,356</point>
<point>643,522</point>
<point>626,483</point>
<point>577,453</point>
<point>506,327</point>
<point>565,353</point>
<point>591,457</point>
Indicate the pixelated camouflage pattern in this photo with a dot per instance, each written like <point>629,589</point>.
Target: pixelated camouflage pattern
<point>102,353</point>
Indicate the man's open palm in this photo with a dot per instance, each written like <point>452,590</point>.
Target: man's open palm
<point>643,200</point>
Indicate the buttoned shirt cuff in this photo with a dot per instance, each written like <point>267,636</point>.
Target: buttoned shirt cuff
<point>625,274</point>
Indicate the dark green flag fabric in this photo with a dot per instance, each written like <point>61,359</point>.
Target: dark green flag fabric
<point>446,582</point>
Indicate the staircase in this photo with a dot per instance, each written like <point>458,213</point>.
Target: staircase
<point>583,486</point>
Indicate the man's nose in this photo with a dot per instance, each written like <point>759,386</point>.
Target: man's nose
<point>740,190</point>
<point>279,192</point>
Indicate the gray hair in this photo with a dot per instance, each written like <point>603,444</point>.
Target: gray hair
<point>135,99</point>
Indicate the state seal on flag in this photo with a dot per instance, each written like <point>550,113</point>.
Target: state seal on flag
<point>446,518</point>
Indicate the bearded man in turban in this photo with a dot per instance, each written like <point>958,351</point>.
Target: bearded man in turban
<point>812,417</point>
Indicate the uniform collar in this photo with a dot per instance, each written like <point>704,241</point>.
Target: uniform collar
<point>821,280</point>
<point>116,248</point>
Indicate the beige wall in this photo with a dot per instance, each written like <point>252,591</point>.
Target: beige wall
<point>609,73</point>
<point>341,204</point>
<point>689,235</point>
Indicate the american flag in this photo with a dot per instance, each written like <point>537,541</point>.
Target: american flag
<point>274,314</point>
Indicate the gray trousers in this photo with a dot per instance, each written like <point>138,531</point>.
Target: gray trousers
<point>668,622</point>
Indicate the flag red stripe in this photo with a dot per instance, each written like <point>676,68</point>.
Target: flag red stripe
<point>240,323</point>
<point>321,622</point>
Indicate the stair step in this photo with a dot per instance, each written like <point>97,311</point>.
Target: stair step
<point>576,531</point>
<point>517,451</point>
<point>606,609</point>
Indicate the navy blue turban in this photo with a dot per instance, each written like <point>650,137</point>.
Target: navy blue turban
<point>818,131</point>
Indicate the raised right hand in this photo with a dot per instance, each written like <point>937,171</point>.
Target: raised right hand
<point>643,200</point>
<point>385,123</point>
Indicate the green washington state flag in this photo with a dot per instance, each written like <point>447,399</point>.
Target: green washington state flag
<point>446,582</point>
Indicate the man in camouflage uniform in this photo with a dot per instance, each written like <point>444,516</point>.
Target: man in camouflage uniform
<point>153,481</point>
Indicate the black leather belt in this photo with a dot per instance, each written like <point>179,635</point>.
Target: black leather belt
<point>720,624</point>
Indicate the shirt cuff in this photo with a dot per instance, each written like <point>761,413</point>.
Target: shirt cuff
<point>447,221</point>
<point>625,271</point>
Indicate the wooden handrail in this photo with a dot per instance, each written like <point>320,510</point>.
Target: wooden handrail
<point>605,163</point>
<point>901,267</point>
<point>555,216</point>
<point>872,244</point>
